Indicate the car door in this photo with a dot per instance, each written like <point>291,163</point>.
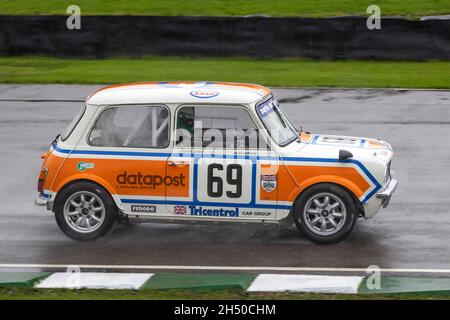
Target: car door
<point>133,141</point>
<point>220,148</point>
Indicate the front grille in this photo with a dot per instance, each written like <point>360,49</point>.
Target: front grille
<point>388,169</point>
<point>387,178</point>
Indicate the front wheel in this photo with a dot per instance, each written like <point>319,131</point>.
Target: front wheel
<point>325,213</point>
<point>85,211</point>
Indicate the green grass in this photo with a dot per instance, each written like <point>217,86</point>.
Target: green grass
<point>149,294</point>
<point>288,72</point>
<point>310,8</point>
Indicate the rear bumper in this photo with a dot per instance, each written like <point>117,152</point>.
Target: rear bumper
<point>386,193</point>
<point>44,200</point>
<point>40,202</point>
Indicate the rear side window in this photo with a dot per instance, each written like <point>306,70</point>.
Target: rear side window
<point>68,131</point>
<point>132,126</point>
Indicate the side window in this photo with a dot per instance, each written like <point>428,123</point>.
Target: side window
<point>132,126</point>
<point>217,127</point>
<point>68,131</point>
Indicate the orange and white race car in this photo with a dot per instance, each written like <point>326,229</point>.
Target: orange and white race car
<point>207,151</point>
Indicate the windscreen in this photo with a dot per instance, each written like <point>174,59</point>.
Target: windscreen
<point>276,122</point>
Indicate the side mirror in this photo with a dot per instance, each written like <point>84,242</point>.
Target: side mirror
<point>344,154</point>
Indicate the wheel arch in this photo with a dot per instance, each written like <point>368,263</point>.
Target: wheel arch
<point>354,197</point>
<point>66,184</point>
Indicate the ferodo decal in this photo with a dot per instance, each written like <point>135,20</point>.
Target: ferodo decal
<point>143,208</point>
<point>269,182</point>
<point>82,166</point>
<point>149,181</point>
<point>200,211</point>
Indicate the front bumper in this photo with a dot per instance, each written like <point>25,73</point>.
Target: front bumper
<point>382,198</point>
<point>386,193</point>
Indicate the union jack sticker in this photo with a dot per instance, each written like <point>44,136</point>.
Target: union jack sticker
<point>179,209</point>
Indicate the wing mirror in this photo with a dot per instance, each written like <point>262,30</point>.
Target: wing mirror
<point>344,155</point>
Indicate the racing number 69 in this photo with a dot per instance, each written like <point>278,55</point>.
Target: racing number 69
<point>234,178</point>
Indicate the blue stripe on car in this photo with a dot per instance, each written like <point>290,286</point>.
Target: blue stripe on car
<point>196,156</point>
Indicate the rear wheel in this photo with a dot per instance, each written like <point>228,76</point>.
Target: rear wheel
<point>85,211</point>
<point>325,213</point>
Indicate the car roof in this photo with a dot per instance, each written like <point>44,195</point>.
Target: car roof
<point>179,92</point>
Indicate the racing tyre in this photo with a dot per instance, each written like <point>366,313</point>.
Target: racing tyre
<point>85,211</point>
<point>325,213</point>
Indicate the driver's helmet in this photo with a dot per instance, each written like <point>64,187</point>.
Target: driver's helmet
<point>186,120</point>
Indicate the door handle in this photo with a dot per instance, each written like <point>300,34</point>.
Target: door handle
<point>176,164</point>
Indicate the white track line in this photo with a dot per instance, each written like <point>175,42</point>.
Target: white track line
<point>305,283</point>
<point>218,268</point>
<point>95,280</point>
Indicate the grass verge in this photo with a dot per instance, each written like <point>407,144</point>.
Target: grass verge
<point>285,72</point>
<point>310,8</point>
<point>149,294</point>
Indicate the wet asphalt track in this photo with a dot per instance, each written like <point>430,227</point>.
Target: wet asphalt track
<point>414,232</point>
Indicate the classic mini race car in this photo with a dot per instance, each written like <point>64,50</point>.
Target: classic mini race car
<point>205,151</point>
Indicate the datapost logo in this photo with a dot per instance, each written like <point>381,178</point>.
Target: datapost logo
<point>149,180</point>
